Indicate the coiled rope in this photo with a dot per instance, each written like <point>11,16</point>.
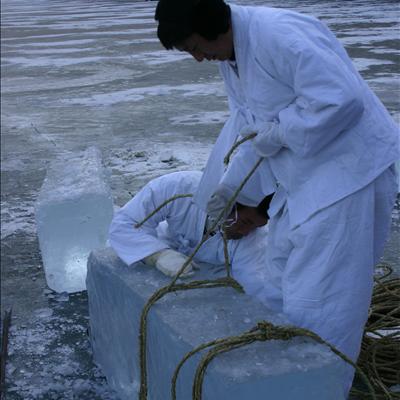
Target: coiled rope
<point>380,350</point>
<point>382,314</point>
<point>262,332</point>
<point>166,289</point>
<point>379,362</point>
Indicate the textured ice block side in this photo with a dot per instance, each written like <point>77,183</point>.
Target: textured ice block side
<point>73,213</point>
<point>299,369</point>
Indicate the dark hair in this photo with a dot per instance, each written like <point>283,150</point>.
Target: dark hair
<point>262,208</point>
<point>178,19</point>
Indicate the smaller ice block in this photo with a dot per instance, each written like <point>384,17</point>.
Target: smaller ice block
<point>298,369</point>
<point>73,213</point>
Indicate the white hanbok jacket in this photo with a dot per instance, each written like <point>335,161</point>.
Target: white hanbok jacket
<point>335,136</point>
<point>180,226</point>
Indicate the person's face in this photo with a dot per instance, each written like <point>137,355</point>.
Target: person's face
<point>247,219</point>
<point>220,49</point>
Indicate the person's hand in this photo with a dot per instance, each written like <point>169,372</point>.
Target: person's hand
<point>169,262</point>
<point>218,202</point>
<point>268,140</point>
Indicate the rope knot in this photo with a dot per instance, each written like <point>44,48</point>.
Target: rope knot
<point>264,327</point>
<point>235,284</point>
<point>269,331</point>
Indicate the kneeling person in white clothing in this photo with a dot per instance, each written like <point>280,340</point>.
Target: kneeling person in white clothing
<point>167,238</point>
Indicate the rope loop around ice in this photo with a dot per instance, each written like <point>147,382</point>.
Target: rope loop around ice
<point>376,373</point>
<point>163,291</point>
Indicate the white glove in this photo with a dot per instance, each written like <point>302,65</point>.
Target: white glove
<point>248,130</point>
<point>268,140</point>
<point>169,262</point>
<point>218,202</point>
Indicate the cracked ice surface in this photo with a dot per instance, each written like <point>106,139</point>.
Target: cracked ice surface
<point>150,112</point>
<point>117,294</point>
<point>46,355</point>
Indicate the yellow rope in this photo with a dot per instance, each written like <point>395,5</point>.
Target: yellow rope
<point>379,361</point>
<point>385,314</point>
<point>161,292</point>
<point>380,349</point>
<point>236,145</point>
<point>221,282</point>
<point>171,199</point>
<point>262,332</point>
<point>226,254</point>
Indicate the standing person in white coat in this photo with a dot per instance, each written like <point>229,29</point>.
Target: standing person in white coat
<point>327,142</point>
<point>167,238</point>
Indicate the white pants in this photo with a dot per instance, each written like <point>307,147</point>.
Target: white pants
<point>320,274</point>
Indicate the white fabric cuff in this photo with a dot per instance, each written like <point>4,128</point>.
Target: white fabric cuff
<point>152,259</point>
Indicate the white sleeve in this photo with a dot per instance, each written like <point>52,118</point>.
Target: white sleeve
<point>261,183</point>
<point>133,244</point>
<point>327,90</point>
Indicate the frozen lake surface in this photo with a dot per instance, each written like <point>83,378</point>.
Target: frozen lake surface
<point>78,73</point>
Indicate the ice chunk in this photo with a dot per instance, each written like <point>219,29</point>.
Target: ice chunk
<point>73,212</point>
<point>298,369</point>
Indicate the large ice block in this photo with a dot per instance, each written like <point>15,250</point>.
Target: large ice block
<point>73,212</point>
<point>298,369</point>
